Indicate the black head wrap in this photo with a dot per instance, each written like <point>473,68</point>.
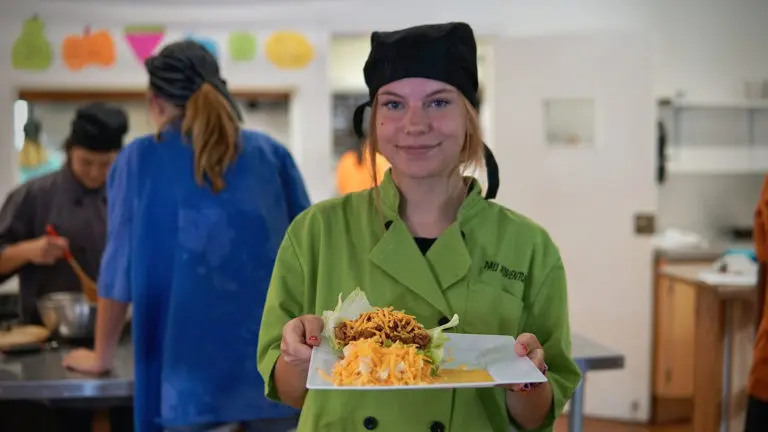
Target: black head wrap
<point>442,52</point>
<point>181,68</point>
<point>99,127</point>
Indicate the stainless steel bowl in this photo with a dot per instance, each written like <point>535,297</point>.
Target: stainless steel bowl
<point>68,313</point>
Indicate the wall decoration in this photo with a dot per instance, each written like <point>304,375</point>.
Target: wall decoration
<point>32,51</point>
<point>242,46</point>
<point>144,40</point>
<point>289,50</point>
<point>208,43</point>
<point>88,49</point>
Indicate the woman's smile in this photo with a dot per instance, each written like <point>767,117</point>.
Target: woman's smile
<point>417,150</point>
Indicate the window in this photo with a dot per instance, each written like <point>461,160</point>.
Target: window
<point>20,116</point>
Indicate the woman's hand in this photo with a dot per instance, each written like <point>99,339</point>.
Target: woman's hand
<point>85,361</point>
<point>46,250</point>
<point>299,336</point>
<point>527,345</point>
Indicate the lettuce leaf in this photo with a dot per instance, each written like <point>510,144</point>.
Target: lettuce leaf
<point>352,307</point>
<point>435,351</point>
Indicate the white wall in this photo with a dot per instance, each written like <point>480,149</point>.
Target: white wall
<point>706,48</point>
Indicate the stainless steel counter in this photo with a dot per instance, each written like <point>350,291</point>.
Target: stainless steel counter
<point>589,356</point>
<point>40,376</point>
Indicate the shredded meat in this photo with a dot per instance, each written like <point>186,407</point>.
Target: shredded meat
<point>383,324</point>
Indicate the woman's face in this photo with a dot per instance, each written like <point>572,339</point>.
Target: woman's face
<point>90,167</point>
<point>420,126</point>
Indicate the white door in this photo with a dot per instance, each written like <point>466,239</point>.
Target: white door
<point>586,187</point>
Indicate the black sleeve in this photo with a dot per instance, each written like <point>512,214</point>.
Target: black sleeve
<point>15,221</point>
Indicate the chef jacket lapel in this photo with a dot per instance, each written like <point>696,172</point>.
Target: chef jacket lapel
<point>449,257</point>
<point>398,255</point>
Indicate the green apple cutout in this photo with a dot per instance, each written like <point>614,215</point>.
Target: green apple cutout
<point>32,51</point>
<point>242,46</point>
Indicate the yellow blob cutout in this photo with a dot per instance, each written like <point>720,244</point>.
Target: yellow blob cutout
<point>289,50</point>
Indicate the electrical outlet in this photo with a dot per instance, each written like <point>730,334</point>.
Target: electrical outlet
<point>645,223</point>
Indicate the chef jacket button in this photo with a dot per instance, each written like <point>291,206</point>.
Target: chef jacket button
<point>370,423</point>
<point>443,321</point>
<point>437,427</point>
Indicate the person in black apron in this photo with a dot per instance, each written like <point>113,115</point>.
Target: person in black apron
<point>73,201</point>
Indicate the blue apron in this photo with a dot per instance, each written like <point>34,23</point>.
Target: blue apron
<point>196,266</point>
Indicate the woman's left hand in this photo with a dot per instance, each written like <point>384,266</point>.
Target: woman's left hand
<point>527,345</point>
<point>85,361</point>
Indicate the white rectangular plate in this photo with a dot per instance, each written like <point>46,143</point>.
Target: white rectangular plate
<point>496,354</point>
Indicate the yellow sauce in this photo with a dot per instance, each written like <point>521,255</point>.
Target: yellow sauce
<point>461,375</point>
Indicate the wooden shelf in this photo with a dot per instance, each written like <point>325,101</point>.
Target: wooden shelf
<point>90,95</point>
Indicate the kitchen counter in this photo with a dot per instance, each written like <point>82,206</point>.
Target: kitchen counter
<point>703,319</point>
<point>40,376</point>
<point>690,273</point>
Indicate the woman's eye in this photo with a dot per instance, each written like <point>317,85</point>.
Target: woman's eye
<point>440,103</point>
<point>393,105</point>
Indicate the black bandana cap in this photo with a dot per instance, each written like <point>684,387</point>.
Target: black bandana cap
<point>441,52</point>
<point>179,70</point>
<point>99,127</point>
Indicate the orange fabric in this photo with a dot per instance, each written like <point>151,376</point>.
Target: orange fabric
<point>352,176</point>
<point>758,376</point>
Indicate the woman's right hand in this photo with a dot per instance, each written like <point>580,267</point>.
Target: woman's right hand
<point>46,250</point>
<point>299,336</point>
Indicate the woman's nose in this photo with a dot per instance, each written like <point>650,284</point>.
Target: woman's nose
<point>416,120</point>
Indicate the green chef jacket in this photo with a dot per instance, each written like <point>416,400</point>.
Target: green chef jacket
<point>499,271</point>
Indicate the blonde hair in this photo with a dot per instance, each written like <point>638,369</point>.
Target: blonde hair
<point>471,155</point>
<point>211,124</point>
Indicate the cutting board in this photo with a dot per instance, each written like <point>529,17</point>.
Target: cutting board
<point>23,336</point>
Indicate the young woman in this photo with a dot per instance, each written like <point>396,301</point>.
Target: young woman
<point>196,216</point>
<point>427,242</point>
<point>72,199</point>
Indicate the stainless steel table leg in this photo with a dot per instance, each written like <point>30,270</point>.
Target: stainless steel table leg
<point>576,415</point>
<point>725,397</point>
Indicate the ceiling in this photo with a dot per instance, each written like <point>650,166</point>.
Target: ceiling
<point>187,2</point>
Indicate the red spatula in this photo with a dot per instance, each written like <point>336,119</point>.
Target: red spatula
<point>87,284</point>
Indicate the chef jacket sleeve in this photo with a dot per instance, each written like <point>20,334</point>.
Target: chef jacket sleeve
<point>297,199</point>
<point>547,319</point>
<point>115,273</point>
<point>284,302</point>
<point>16,219</point>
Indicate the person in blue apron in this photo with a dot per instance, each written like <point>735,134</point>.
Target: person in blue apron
<point>72,200</point>
<point>196,216</point>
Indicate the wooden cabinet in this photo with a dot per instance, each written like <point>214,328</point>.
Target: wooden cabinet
<point>693,322</point>
<point>674,323</point>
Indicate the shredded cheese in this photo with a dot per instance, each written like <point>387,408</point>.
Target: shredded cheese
<point>367,363</point>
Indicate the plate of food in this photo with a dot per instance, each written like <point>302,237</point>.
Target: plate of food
<point>368,348</point>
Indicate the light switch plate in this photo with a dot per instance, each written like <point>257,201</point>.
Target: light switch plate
<point>645,223</point>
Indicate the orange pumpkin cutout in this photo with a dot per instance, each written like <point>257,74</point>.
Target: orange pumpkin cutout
<point>88,49</point>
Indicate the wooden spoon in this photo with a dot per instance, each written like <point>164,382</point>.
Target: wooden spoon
<point>87,284</point>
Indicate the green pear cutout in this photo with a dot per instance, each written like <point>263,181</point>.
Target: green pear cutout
<point>32,51</point>
<point>242,46</point>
